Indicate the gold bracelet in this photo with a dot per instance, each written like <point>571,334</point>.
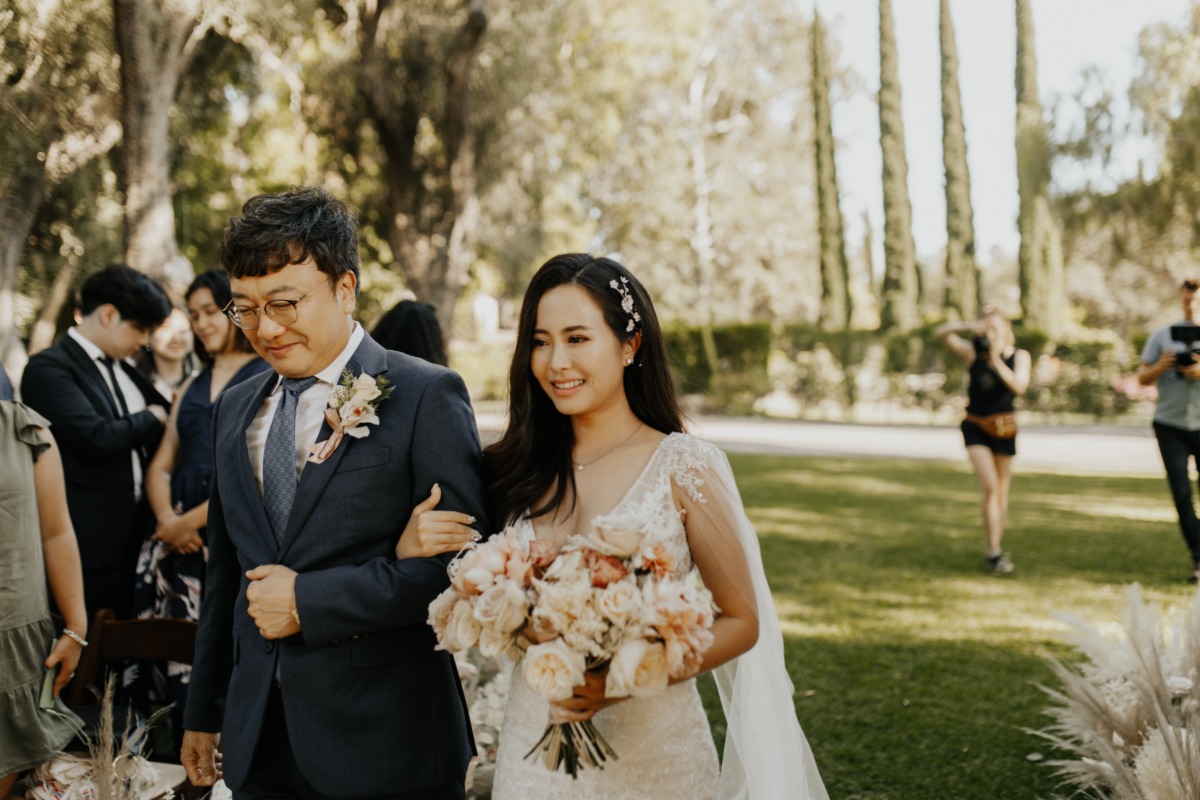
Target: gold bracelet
<point>79,640</point>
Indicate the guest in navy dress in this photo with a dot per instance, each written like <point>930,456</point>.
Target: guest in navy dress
<point>170,571</point>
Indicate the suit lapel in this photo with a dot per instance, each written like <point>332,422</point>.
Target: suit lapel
<point>371,359</point>
<point>90,376</point>
<point>251,498</point>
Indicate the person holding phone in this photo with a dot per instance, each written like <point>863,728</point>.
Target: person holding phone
<point>999,373</point>
<point>1168,361</point>
<point>37,544</point>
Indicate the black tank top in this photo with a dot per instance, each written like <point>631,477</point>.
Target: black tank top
<point>986,393</point>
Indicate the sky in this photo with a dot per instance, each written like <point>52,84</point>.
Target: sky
<point>1069,34</point>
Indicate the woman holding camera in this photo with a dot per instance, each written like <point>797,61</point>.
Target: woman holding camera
<point>999,373</point>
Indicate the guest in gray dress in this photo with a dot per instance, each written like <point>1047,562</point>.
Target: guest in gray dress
<point>37,543</point>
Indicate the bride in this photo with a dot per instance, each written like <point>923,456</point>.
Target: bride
<point>595,431</point>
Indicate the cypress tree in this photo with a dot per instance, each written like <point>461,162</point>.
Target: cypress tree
<point>835,270</point>
<point>901,286</point>
<point>1042,283</point>
<point>962,275</point>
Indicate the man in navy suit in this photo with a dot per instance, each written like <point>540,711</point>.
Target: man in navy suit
<point>108,420</point>
<point>315,670</point>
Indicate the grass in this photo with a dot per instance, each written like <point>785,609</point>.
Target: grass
<point>916,672</point>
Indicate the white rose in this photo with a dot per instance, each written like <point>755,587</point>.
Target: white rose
<point>440,611</point>
<point>553,670</point>
<point>463,629</point>
<point>638,669</point>
<point>478,578</point>
<point>619,602</point>
<point>618,538</point>
<point>366,387</point>
<point>502,607</point>
<point>493,642</point>
<point>567,566</point>
<point>494,559</point>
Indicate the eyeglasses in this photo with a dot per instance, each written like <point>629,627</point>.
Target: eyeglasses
<point>281,312</point>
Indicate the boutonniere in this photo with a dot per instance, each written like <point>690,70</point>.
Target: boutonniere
<point>352,405</point>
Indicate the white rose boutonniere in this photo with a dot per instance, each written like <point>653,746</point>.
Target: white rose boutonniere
<point>352,406</point>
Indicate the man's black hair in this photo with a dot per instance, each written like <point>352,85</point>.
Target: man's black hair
<point>137,297</point>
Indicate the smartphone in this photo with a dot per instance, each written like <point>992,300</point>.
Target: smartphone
<point>46,698</point>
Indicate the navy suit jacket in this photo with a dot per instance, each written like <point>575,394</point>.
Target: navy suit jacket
<point>371,707</point>
<point>63,384</point>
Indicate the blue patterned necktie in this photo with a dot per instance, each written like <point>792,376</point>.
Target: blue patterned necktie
<point>280,475</point>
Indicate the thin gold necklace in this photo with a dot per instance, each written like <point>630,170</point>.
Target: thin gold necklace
<point>579,466</point>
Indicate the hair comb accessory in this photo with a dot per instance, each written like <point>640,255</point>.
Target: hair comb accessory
<point>627,303</point>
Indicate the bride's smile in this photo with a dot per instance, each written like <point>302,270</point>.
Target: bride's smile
<point>577,359</point>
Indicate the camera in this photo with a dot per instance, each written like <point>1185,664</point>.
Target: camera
<point>1188,335</point>
<point>983,344</point>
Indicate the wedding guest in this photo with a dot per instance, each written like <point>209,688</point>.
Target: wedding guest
<point>37,549</point>
<point>999,373</point>
<point>171,566</point>
<point>315,669</point>
<point>168,361</point>
<point>412,327</point>
<point>108,420</point>
<point>1170,364</point>
<point>595,433</point>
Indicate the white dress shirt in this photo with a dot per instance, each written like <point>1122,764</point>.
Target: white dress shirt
<point>310,413</point>
<point>128,389</point>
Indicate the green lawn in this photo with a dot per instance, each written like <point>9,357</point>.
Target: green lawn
<point>915,670</point>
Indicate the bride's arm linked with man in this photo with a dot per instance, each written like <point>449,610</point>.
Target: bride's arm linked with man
<point>348,479</point>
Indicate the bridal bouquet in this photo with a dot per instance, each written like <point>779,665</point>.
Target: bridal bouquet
<point>606,602</point>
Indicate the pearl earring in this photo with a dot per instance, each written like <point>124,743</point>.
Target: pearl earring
<point>629,361</point>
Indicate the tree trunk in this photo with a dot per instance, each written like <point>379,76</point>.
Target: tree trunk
<point>460,145</point>
<point>836,303</point>
<point>1041,276</point>
<point>962,274</point>
<point>19,204</point>
<point>901,283</point>
<point>155,39</point>
<point>46,324</point>
<point>432,207</point>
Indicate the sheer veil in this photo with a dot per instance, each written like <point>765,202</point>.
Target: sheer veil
<point>766,754</point>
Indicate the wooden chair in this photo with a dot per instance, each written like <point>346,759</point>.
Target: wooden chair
<point>111,640</point>
<point>114,640</point>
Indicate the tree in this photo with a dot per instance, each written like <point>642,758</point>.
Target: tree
<point>57,114</point>
<point>901,282</point>
<point>156,40</point>
<point>836,303</point>
<point>416,61</point>
<point>962,274</point>
<point>1041,276</point>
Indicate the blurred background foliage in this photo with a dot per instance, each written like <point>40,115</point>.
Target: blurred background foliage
<point>476,138</point>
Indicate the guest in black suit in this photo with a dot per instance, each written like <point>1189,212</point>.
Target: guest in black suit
<point>107,419</point>
<point>314,663</point>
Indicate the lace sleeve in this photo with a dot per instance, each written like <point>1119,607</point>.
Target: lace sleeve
<point>766,753</point>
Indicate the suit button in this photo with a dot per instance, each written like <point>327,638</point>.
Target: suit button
<point>268,647</point>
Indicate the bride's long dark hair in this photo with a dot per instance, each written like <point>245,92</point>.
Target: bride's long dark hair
<point>534,454</point>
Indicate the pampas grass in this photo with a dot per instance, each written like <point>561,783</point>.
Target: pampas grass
<point>112,770</point>
<point>1129,714</point>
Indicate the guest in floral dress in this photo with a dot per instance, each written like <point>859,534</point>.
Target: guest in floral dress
<point>170,573</point>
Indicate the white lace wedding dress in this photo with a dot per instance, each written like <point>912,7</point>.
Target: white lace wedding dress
<point>663,743</point>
